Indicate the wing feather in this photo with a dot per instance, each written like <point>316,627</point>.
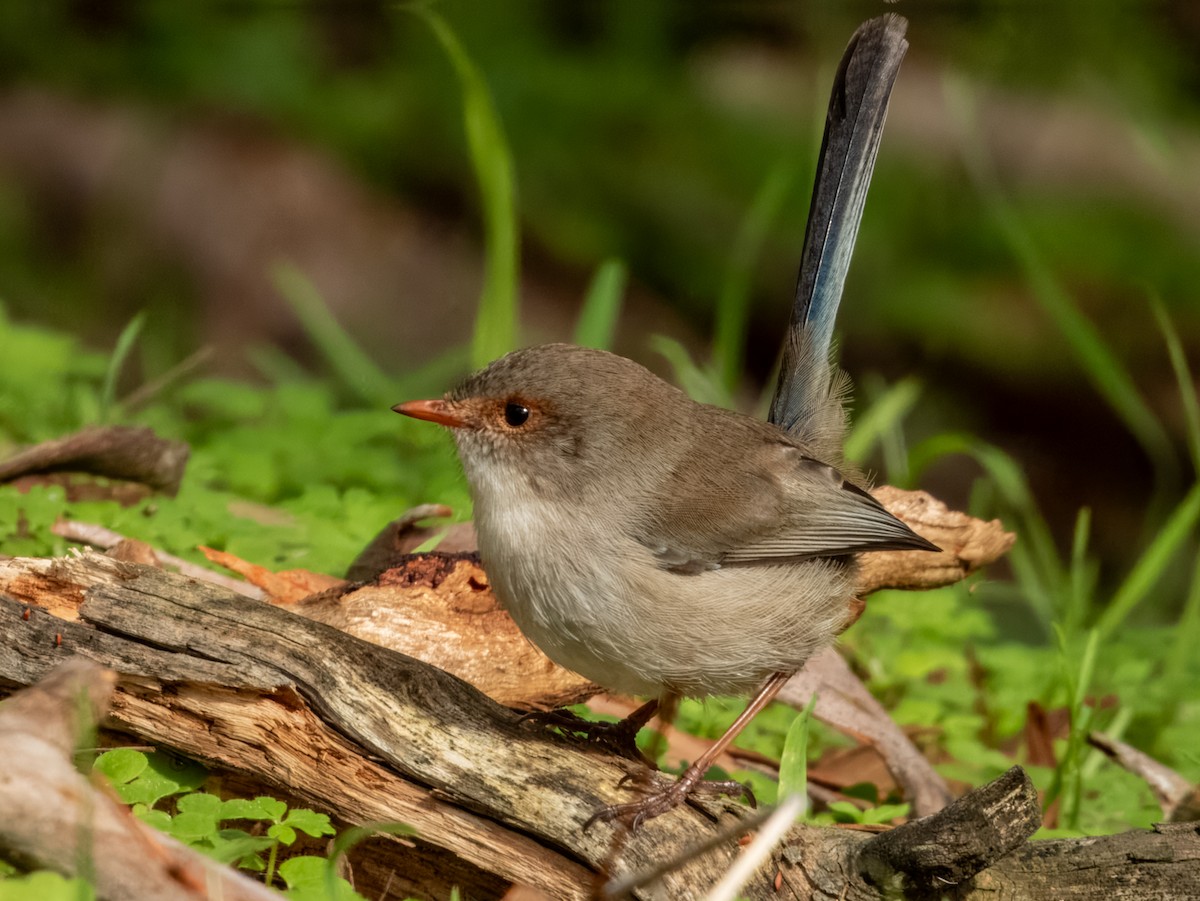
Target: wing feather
<point>778,506</point>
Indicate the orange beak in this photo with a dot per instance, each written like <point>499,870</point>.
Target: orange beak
<point>433,411</point>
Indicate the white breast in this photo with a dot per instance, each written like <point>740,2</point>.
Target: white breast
<point>595,601</point>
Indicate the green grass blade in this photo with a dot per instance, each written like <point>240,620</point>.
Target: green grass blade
<point>1150,566</point>
<point>1187,634</point>
<point>698,383</point>
<point>116,363</point>
<point>1183,377</point>
<point>602,306</point>
<point>496,318</point>
<point>1034,558</point>
<point>1068,775</point>
<point>1107,373</point>
<point>793,762</point>
<point>357,372</point>
<point>884,415</point>
<point>733,303</point>
<point>1081,575</point>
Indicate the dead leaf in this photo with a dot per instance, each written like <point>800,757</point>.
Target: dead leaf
<point>282,588</point>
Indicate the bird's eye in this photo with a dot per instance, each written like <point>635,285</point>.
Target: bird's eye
<point>515,414</point>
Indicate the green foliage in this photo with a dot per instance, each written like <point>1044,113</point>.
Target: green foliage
<point>311,878</point>
<point>1068,775</point>
<point>601,306</point>
<point>939,662</point>
<point>44,885</point>
<point>50,384</point>
<point>146,779</point>
<point>286,474</point>
<point>1149,569</point>
<point>199,819</point>
<point>848,812</point>
<point>496,315</point>
<point>125,343</point>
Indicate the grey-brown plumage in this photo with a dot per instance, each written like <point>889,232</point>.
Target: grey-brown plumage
<point>649,542</point>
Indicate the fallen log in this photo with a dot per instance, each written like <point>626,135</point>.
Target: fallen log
<point>367,734</point>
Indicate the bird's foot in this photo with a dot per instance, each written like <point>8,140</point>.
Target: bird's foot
<point>618,738</point>
<point>660,795</point>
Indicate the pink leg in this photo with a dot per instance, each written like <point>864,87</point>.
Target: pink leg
<point>662,800</point>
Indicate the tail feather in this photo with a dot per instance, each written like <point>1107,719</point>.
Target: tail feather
<point>809,396</point>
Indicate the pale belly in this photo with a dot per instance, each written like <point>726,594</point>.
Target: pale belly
<point>630,626</point>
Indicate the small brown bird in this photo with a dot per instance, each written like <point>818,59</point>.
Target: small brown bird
<point>649,542</point>
<point>659,546</point>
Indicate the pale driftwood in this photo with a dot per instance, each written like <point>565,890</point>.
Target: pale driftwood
<point>967,544</point>
<point>106,539</point>
<point>1178,797</point>
<point>54,818</point>
<point>440,608</point>
<point>368,734</point>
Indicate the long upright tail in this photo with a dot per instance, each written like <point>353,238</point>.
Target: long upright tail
<point>808,400</point>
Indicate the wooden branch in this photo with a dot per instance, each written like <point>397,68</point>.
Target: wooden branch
<point>967,544</point>
<point>954,844</point>
<point>107,540</point>
<point>1177,797</point>
<point>440,608</point>
<point>368,734</point>
<point>50,808</point>
<point>119,452</point>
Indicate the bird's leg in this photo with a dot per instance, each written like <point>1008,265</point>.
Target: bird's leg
<point>659,799</point>
<point>619,738</point>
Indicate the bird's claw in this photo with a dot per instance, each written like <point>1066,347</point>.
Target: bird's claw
<point>619,738</point>
<point>661,797</point>
<point>627,778</point>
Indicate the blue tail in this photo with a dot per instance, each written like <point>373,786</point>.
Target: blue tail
<point>808,397</point>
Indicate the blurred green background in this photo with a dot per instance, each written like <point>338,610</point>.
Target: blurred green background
<point>164,157</point>
<point>287,196</point>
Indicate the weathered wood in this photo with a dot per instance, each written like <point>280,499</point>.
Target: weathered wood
<point>967,544</point>
<point>1178,798</point>
<point>236,668</point>
<point>954,844</point>
<point>440,608</point>
<point>118,452</point>
<point>369,734</point>
<point>55,818</point>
